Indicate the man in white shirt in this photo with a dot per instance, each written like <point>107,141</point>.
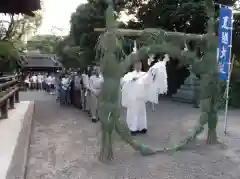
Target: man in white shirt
<point>65,87</point>
<point>40,81</point>
<point>52,86</point>
<point>49,83</point>
<point>95,88</point>
<point>34,81</point>
<point>85,91</point>
<point>27,82</point>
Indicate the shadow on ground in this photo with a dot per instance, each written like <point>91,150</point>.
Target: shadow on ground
<point>65,144</point>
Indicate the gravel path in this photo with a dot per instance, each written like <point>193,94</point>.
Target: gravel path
<point>65,144</point>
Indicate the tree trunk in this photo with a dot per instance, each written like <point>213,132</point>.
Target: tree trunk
<point>212,119</point>
<point>212,125</point>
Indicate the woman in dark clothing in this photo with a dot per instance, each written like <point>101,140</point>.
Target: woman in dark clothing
<point>72,89</point>
<point>77,90</point>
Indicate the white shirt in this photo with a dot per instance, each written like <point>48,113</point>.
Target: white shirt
<point>85,79</point>
<point>27,80</point>
<point>64,81</point>
<point>53,80</point>
<point>49,80</point>
<point>95,83</point>
<point>40,78</point>
<point>34,79</point>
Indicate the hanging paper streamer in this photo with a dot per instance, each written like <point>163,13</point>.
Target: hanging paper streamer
<point>224,42</point>
<point>135,47</point>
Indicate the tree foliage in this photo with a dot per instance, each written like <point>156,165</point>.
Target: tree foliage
<point>81,47</point>
<point>17,27</point>
<point>83,21</point>
<point>14,29</point>
<point>69,53</point>
<point>44,43</point>
<point>175,15</point>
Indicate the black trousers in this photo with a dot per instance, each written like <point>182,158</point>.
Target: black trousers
<point>77,98</point>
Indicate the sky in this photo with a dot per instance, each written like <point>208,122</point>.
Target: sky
<point>57,13</point>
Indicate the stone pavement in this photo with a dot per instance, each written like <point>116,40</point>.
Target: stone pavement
<point>65,145</point>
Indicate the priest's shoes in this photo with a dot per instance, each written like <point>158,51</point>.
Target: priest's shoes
<point>94,120</point>
<point>133,133</point>
<point>144,131</point>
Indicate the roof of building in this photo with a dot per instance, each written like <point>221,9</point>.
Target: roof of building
<point>39,61</point>
<point>20,6</point>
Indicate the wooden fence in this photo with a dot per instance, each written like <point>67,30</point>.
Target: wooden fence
<point>9,94</point>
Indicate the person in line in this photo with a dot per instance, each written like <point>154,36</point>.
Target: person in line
<point>40,81</point>
<point>77,90</point>
<point>71,77</point>
<point>95,88</point>
<point>88,91</point>
<point>44,82</point>
<point>85,82</point>
<point>57,83</point>
<point>64,89</point>
<point>52,87</point>
<point>34,81</point>
<point>27,82</point>
<point>49,82</point>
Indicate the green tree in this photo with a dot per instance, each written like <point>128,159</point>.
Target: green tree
<point>175,15</point>
<point>70,54</point>
<point>44,43</point>
<point>82,30</point>
<point>18,27</point>
<point>83,21</point>
<point>14,29</point>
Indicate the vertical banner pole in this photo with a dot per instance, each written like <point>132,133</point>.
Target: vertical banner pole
<point>227,96</point>
<point>224,53</point>
<point>230,66</point>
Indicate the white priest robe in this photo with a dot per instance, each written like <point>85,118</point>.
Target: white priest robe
<point>135,93</point>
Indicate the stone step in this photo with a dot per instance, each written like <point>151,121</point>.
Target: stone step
<point>186,87</point>
<point>186,93</point>
<point>182,100</point>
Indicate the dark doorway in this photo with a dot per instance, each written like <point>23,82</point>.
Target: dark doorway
<point>176,75</point>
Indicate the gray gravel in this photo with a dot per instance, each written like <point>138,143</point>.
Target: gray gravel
<point>65,144</point>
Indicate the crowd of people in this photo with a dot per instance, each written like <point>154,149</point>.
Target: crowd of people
<point>80,88</point>
<point>40,81</point>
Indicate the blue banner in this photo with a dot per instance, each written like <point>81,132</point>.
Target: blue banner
<point>224,42</point>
